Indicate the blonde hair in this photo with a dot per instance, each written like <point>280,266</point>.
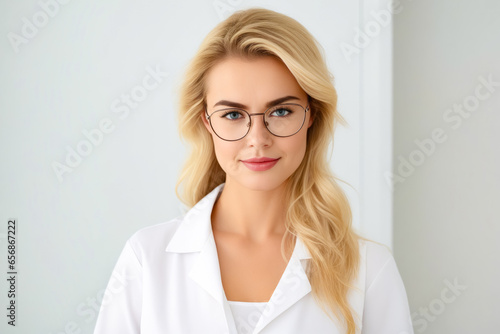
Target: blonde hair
<point>318,210</point>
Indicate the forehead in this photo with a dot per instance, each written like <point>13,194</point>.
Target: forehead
<point>251,81</point>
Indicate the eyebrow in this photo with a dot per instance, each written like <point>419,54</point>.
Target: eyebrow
<point>268,105</point>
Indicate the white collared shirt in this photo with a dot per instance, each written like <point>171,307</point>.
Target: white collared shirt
<point>167,280</point>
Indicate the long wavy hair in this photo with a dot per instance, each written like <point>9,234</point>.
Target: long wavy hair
<point>318,211</point>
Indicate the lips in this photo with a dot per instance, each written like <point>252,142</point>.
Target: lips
<point>260,164</point>
<point>258,160</point>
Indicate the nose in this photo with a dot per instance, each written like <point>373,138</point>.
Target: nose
<point>258,133</point>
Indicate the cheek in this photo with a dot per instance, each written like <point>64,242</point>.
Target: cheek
<point>299,145</point>
<point>300,149</point>
<point>225,153</point>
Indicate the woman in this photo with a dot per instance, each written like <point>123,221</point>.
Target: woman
<point>267,246</point>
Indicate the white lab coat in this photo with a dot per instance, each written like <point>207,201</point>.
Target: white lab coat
<point>167,280</point>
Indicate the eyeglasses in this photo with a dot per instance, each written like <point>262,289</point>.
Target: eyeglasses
<point>283,120</point>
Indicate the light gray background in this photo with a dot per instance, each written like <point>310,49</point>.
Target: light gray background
<point>446,214</point>
<point>67,76</point>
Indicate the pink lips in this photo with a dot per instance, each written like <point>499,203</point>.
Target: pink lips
<point>260,164</point>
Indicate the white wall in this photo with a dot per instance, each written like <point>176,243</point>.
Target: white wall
<point>70,73</point>
<point>446,216</point>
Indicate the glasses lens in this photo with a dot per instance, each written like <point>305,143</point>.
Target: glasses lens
<point>285,119</point>
<point>230,124</point>
<point>281,120</point>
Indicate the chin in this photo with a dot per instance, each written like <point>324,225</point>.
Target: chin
<point>260,183</point>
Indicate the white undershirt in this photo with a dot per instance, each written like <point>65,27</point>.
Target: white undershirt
<point>246,315</point>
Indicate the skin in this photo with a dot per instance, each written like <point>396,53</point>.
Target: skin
<point>249,216</point>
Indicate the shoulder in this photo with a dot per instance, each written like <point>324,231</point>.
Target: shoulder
<point>377,259</point>
<point>376,253</point>
<point>158,232</point>
<point>385,305</point>
<point>154,238</point>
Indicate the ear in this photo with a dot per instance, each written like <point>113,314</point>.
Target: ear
<point>204,119</point>
<point>311,117</point>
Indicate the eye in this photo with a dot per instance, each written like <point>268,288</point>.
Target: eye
<point>232,115</point>
<point>281,112</point>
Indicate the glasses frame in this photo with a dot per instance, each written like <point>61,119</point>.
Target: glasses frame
<point>306,109</point>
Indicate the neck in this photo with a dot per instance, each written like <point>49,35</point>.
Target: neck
<point>251,214</point>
